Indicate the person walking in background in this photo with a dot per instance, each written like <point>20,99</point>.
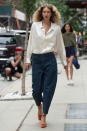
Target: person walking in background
<point>80,40</point>
<point>70,47</point>
<point>45,39</point>
<point>80,44</point>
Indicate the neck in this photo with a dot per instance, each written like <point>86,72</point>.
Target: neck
<point>46,22</point>
<point>67,32</point>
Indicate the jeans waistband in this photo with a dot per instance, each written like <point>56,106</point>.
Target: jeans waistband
<point>44,54</point>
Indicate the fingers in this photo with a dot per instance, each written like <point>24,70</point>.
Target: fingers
<point>19,58</point>
<point>28,65</point>
<point>65,67</point>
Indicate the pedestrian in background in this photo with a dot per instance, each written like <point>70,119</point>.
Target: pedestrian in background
<point>45,39</point>
<point>70,47</point>
<point>80,40</point>
<point>13,66</point>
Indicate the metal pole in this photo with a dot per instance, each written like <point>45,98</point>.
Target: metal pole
<point>8,23</point>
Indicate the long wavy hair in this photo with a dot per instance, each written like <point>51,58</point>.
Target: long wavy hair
<point>55,17</point>
<point>63,28</point>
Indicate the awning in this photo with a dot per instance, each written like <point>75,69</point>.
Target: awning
<point>5,10</point>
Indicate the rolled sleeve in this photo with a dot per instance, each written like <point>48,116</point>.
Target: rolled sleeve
<point>29,47</point>
<point>61,48</point>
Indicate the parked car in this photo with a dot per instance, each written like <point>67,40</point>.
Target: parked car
<point>9,41</point>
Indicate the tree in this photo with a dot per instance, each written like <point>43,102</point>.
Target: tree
<point>74,17</point>
<point>60,5</point>
<point>85,35</point>
<point>67,13</point>
<point>29,7</point>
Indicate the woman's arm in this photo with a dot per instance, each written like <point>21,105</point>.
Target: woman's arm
<point>74,43</point>
<point>74,39</point>
<point>60,47</point>
<point>29,47</point>
<point>15,63</point>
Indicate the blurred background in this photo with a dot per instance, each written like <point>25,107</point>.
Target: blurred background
<point>13,23</point>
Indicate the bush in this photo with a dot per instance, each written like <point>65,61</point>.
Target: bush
<point>85,36</point>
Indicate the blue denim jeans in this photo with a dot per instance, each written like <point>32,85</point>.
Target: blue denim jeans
<point>44,79</point>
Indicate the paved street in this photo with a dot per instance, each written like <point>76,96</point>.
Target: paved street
<point>67,111</point>
<point>14,85</point>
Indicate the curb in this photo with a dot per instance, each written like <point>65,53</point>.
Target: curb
<point>16,96</point>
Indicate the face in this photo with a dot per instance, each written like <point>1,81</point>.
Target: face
<point>46,13</point>
<point>18,56</point>
<point>67,28</point>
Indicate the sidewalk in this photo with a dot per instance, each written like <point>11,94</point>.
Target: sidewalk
<point>63,116</point>
<point>12,113</point>
<point>14,87</point>
<point>65,96</point>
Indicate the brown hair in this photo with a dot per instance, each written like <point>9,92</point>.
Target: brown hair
<point>55,18</point>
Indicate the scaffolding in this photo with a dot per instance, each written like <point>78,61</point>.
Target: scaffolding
<point>9,19</point>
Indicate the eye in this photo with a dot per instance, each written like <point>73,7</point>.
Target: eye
<point>46,11</point>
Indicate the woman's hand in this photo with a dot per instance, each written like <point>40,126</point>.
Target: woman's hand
<point>56,53</point>
<point>65,67</point>
<point>28,65</point>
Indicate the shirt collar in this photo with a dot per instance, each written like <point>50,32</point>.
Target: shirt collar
<point>52,25</point>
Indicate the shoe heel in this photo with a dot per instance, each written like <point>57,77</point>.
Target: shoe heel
<point>43,124</point>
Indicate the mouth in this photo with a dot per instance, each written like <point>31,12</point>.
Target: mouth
<point>46,16</point>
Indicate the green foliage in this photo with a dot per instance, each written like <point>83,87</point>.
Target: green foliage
<point>85,36</point>
<point>76,24</point>
<point>29,6</point>
<point>60,5</point>
<point>67,13</point>
<point>75,21</point>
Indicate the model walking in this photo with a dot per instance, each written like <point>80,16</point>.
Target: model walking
<point>45,39</point>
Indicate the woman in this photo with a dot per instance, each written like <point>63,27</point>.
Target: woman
<point>45,39</point>
<point>70,47</point>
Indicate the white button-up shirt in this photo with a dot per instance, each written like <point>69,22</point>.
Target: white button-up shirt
<point>41,42</point>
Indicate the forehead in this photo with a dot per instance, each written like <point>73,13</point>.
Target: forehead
<point>46,9</point>
<point>18,54</point>
<point>67,25</point>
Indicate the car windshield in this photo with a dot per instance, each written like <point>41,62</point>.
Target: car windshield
<point>7,40</point>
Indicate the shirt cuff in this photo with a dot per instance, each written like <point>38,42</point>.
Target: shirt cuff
<point>28,60</point>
